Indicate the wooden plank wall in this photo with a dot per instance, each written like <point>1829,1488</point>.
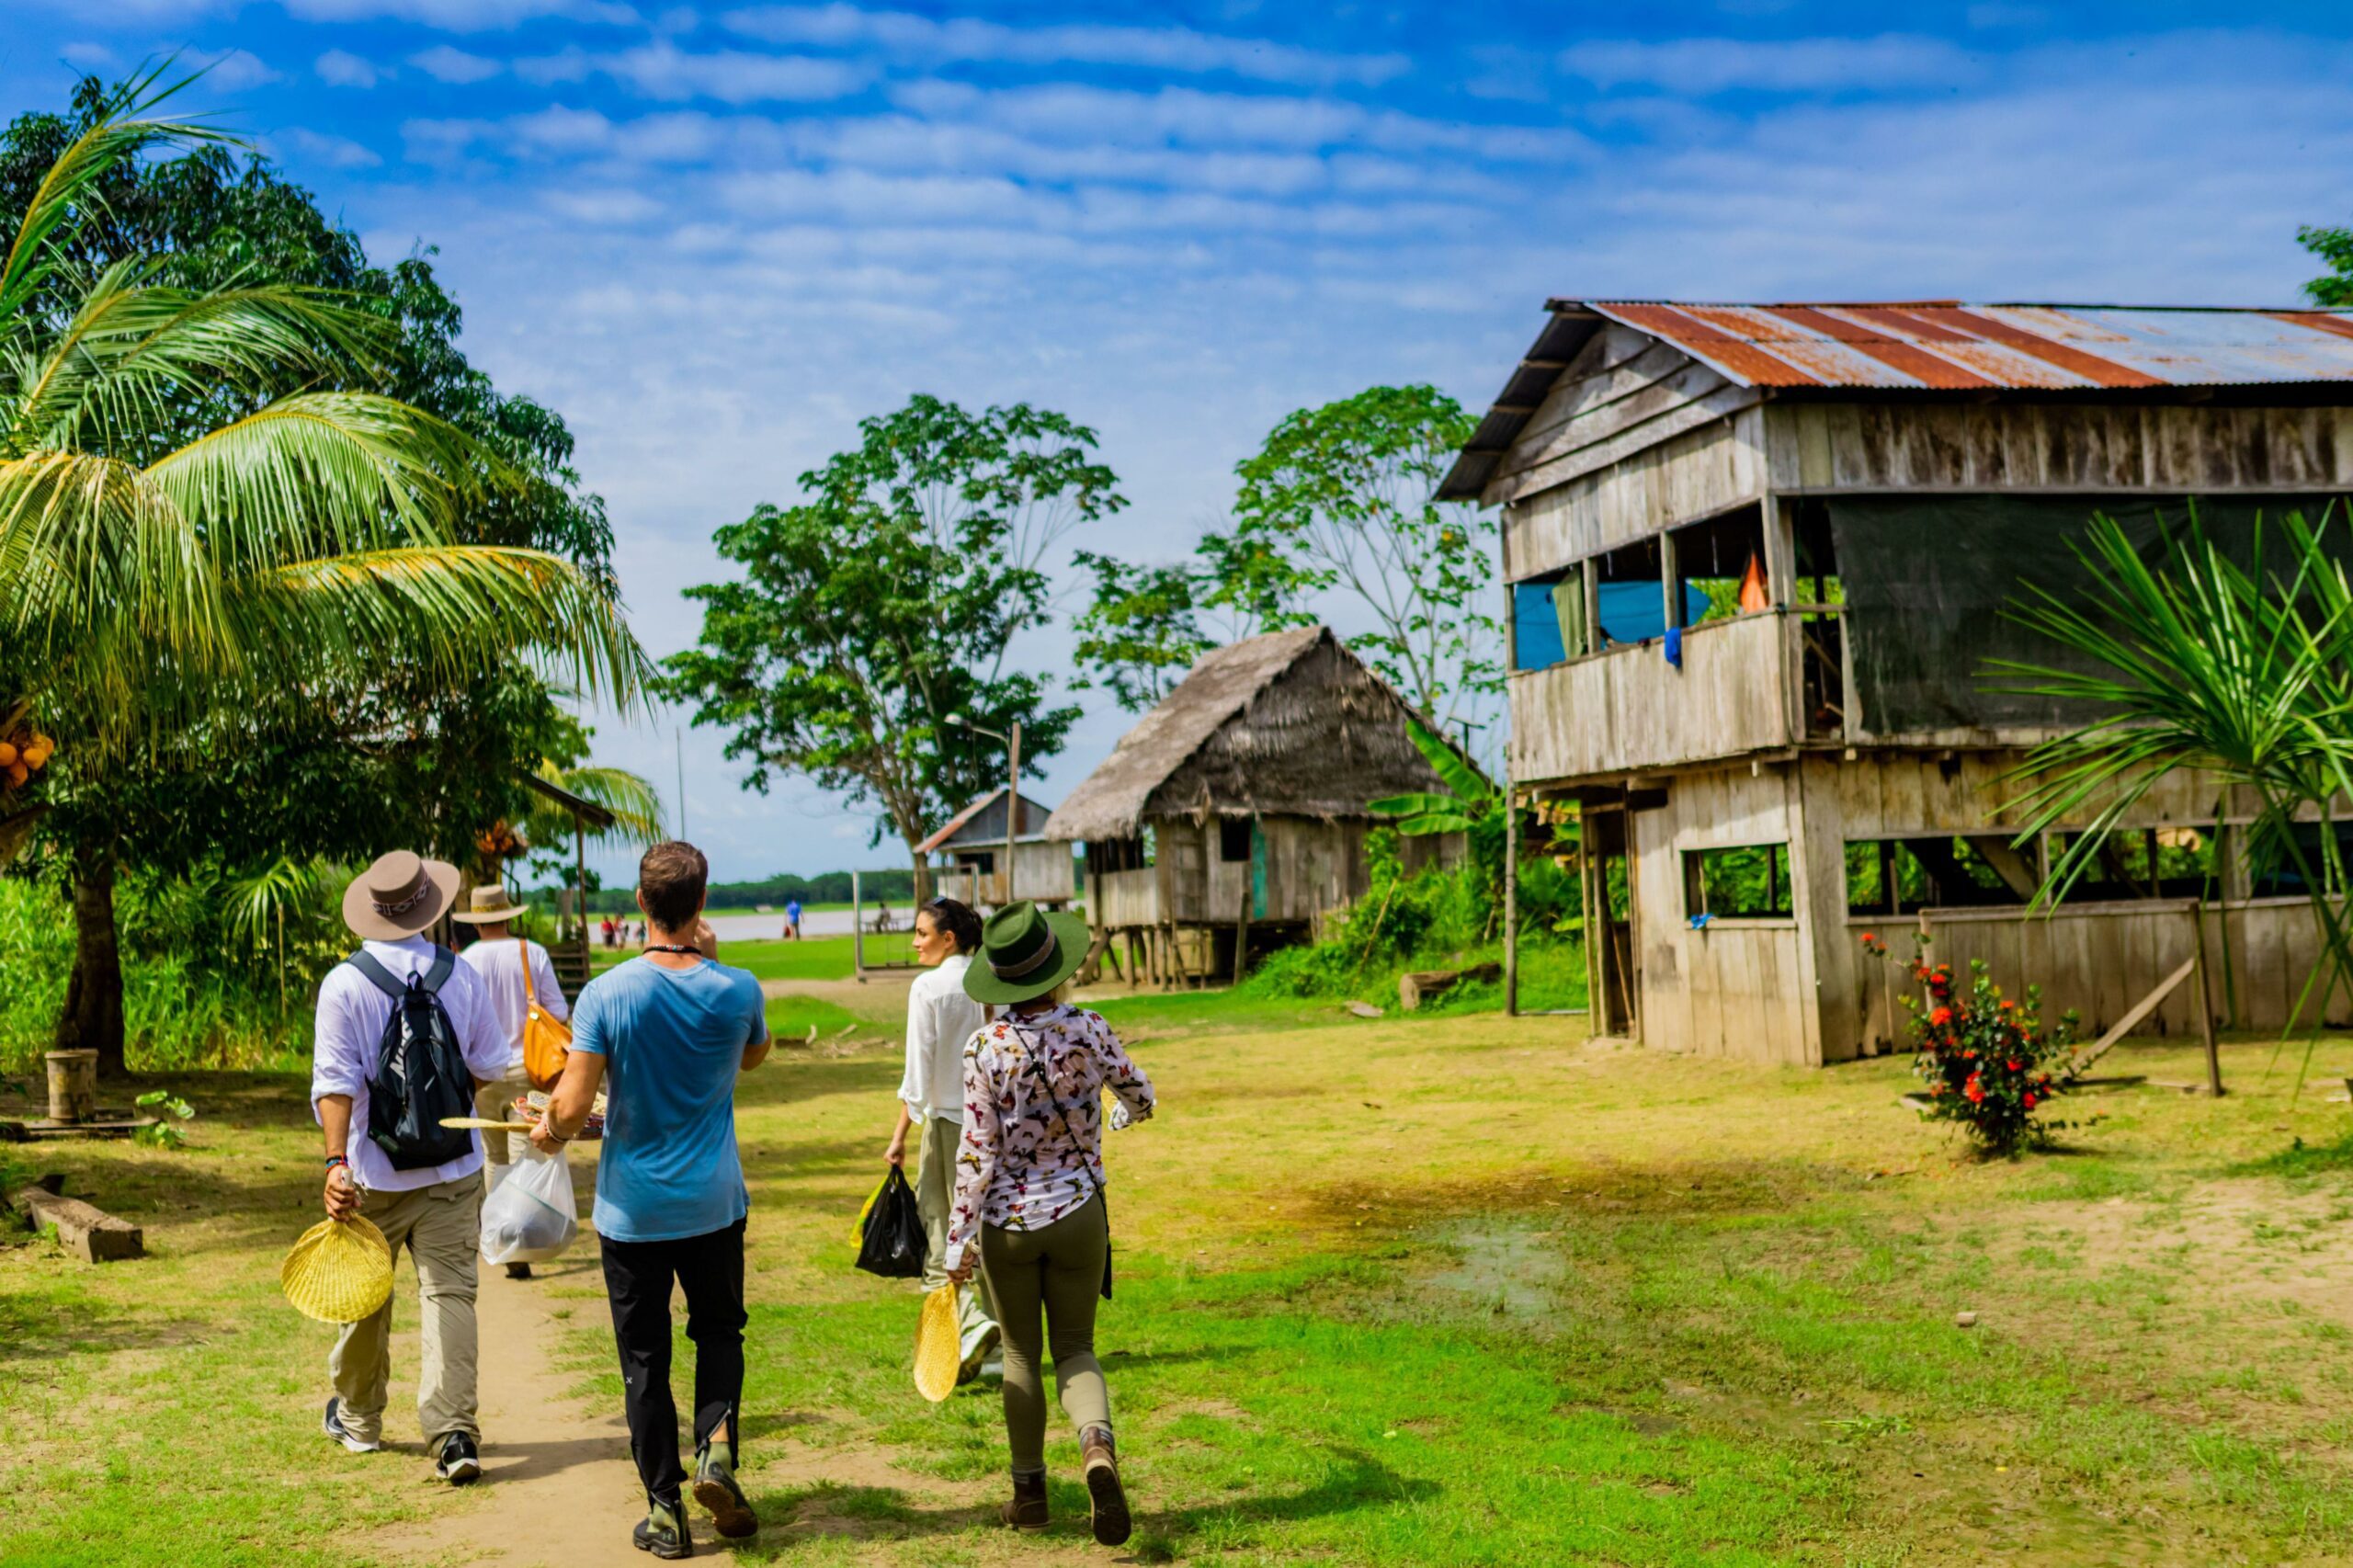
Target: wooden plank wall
<point>2098,958</point>
<point>1735,988</point>
<point>1629,709</point>
<point>1045,872</point>
<point>1699,474</point>
<point>1127,898</point>
<point>2021,446</point>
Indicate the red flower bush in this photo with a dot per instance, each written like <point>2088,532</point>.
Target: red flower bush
<point>1987,1059</point>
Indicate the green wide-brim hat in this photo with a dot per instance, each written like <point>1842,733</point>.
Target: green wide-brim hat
<point>1026,952</point>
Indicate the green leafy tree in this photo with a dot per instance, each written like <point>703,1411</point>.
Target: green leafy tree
<point>2334,247</point>
<point>1347,496</point>
<point>1141,630</point>
<point>890,598</point>
<point>220,543</point>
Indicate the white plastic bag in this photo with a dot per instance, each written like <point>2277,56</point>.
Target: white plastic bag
<point>530,1216</point>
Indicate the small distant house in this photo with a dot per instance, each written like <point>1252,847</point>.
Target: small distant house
<point>1235,812</point>
<point>969,854</point>
<point>1757,559</point>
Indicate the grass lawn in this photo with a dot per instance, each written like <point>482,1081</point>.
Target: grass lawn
<point>815,957</point>
<point>1461,1289</point>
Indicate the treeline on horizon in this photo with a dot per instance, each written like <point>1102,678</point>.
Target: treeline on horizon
<point>895,885</point>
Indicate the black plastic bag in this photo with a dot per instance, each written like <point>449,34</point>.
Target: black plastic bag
<point>892,1242</point>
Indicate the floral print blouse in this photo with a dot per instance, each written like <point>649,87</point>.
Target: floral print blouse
<point>1026,1159</point>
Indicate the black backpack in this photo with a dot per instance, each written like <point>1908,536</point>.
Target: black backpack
<point>421,1074</point>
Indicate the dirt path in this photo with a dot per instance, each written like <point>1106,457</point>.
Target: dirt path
<point>561,1490</point>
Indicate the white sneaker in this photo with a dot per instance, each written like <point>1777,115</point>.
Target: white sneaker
<point>333,1427</point>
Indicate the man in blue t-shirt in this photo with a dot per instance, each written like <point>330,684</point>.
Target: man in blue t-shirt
<point>667,1032</point>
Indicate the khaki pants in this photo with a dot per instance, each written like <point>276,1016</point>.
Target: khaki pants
<point>441,1226</point>
<point>934,1195</point>
<point>495,1100</point>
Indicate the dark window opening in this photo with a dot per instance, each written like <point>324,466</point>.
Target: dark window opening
<point>1108,855</point>
<point>1232,839</point>
<point>1817,555</point>
<point>2144,862</point>
<point>1751,881</point>
<point>1822,633</point>
<point>1717,561</point>
<point>1548,619</point>
<point>1889,876</point>
<point>2273,871</point>
<point>981,861</point>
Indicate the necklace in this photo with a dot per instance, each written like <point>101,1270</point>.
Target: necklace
<point>690,952</point>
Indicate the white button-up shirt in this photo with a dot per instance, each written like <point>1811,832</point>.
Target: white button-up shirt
<point>940,1018</point>
<point>499,963</point>
<point>352,1014</point>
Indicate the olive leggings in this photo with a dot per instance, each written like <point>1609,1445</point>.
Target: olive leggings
<point>1059,1270</point>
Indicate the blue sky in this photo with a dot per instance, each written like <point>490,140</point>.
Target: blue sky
<point>715,236</point>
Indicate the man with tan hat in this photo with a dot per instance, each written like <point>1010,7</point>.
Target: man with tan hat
<point>515,971</point>
<point>405,1037</point>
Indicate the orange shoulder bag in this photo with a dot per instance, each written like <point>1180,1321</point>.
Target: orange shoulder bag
<point>547,1040</point>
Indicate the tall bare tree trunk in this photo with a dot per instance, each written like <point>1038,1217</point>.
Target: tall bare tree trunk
<point>93,1017</point>
<point>923,874</point>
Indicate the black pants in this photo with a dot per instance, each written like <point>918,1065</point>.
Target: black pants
<point>710,1268</point>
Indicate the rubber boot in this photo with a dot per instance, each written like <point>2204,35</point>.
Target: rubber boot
<point>1027,1509</point>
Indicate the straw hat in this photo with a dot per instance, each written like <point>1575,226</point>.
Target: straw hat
<point>398,896</point>
<point>489,907</point>
<point>939,1349</point>
<point>1026,952</point>
<point>340,1271</point>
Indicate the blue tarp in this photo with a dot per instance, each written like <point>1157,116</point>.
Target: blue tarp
<point>1631,612</point>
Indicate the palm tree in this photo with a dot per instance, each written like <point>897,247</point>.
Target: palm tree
<point>196,521</point>
<point>2196,662</point>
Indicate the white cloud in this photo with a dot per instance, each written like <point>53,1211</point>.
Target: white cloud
<point>1701,66</point>
<point>603,209</point>
<point>664,72</point>
<point>445,64</point>
<point>909,37</point>
<point>90,56</point>
<point>462,16</point>
<point>341,68</point>
<point>229,69</point>
<point>298,144</point>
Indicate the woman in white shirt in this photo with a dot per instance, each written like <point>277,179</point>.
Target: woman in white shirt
<point>940,1020</point>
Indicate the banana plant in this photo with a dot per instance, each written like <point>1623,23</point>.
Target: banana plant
<point>1467,796</point>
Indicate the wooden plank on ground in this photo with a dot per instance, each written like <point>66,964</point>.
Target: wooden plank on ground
<point>2140,1010</point>
<point>92,1234</point>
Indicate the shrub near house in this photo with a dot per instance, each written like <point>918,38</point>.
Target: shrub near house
<point>1988,1062</point>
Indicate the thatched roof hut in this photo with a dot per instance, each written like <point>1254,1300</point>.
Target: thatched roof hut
<point>1237,807</point>
<point>1289,724</point>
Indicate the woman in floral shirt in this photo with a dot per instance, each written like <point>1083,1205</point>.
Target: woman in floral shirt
<point>1029,1194</point>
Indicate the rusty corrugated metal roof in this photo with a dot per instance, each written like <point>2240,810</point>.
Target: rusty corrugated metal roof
<point>1946,345</point>
<point>1931,345</point>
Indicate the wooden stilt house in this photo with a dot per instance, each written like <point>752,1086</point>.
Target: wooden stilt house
<point>1757,559</point>
<point>971,848</point>
<point>1234,816</point>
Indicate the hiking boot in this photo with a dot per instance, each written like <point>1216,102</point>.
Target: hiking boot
<point>976,1358</point>
<point>518,1271</point>
<point>333,1427</point>
<point>1102,1465</point>
<point>716,1490</point>
<point>1027,1509</point>
<point>458,1460</point>
<point>662,1532</point>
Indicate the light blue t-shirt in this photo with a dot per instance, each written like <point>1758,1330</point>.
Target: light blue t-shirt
<point>673,1040</point>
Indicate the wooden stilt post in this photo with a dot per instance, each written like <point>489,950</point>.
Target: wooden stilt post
<point>2206,1002</point>
<point>1241,931</point>
<point>1511,902</point>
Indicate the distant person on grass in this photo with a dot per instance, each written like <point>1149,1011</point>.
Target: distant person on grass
<point>1029,1200</point>
<point>793,919</point>
<point>671,1028</point>
<point>515,971</point>
<point>940,1020</point>
<point>398,1002</point>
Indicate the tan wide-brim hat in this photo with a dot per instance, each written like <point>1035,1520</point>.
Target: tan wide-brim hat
<point>398,896</point>
<point>488,907</point>
<point>340,1271</point>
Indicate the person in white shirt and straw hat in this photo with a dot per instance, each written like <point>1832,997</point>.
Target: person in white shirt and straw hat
<point>516,971</point>
<point>420,1183</point>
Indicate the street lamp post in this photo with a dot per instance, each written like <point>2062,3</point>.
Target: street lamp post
<point>1012,790</point>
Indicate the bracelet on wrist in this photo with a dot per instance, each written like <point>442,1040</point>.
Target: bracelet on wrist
<point>334,1159</point>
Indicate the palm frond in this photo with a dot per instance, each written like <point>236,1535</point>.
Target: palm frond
<point>636,808</point>
<point>121,130</point>
<point>1414,804</point>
